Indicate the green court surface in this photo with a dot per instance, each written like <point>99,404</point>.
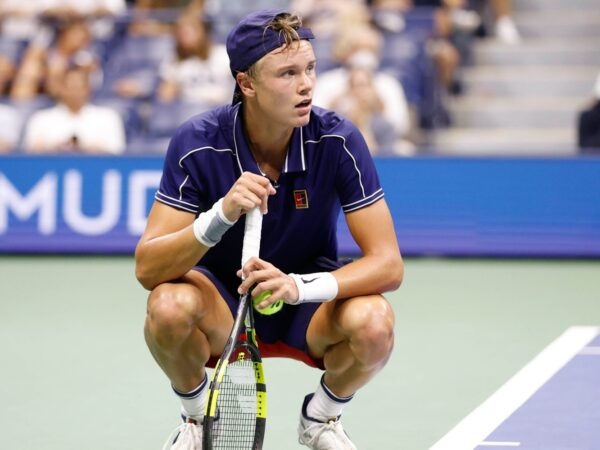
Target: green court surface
<point>76,373</point>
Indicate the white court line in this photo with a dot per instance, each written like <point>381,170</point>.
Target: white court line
<point>499,444</point>
<point>473,429</point>
<point>590,350</point>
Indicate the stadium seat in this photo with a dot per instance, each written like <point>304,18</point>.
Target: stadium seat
<point>147,146</point>
<point>127,109</point>
<point>12,49</point>
<point>139,58</point>
<point>165,118</point>
<point>324,54</point>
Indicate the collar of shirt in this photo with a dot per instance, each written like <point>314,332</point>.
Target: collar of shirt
<point>294,160</point>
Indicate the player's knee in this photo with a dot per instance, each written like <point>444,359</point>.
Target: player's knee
<point>373,339</point>
<point>170,315</point>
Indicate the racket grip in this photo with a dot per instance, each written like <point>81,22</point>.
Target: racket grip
<point>252,231</point>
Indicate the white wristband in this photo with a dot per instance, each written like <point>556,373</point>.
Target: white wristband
<point>316,287</point>
<point>210,226</point>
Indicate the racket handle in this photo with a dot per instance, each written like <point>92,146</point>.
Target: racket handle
<point>251,245</point>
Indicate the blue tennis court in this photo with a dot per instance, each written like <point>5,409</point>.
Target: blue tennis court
<point>76,373</point>
<point>551,404</point>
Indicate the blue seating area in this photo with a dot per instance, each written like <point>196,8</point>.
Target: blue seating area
<point>12,48</point>
<point>149,122</point>
<point>136,57</point>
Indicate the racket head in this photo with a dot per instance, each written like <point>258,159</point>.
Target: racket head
<point>235,416</point>
<point>236,409</point>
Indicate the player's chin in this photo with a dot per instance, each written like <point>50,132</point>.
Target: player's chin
<point>301,122</point>
<point>302,116</point>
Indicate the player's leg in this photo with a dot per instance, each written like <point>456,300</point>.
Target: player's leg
<point>187,321</point>
<point>354,338</point>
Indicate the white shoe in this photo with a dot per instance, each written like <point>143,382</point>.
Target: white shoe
<point>318,435</point>
<point>187,436</point>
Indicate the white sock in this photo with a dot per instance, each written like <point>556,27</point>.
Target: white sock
<point>193,403</point>
<point>325,404</point>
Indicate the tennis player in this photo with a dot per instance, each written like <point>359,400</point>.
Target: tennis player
<point>300,164</point>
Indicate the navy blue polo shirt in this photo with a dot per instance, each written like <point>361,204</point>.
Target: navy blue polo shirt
<point>328,167</point>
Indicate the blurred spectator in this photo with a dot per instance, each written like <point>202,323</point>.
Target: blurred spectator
<point>7,72</point>
<point>132,69</point>
<point>364,107</point>
<point>45,62</point>
<point>589,122</point>
<point>155,17</point>
<point>504,27</point>
<point>100,14</point>
<point>198,71</point>
<point>325,17</point>
<point>388,15</point>
<point>74,124</point>
<point>441,41</point>
<point>463,25</point>
<point>448,48</point>
<point>11,124</point>
<point>498,20</point>
<point>20,19</point>
<point>360,90</point>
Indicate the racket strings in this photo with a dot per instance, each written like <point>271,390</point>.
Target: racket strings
<point>236,426</point>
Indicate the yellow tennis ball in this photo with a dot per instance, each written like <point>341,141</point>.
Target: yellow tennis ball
<point>269,310</point>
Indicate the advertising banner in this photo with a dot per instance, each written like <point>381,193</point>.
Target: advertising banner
<point>441,206</point>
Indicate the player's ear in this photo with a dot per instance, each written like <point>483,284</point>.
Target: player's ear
<point>245,83</point>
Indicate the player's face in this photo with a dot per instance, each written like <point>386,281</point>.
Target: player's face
<point>284,84</point>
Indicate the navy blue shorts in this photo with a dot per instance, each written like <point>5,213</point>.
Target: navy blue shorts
<point>282,334</point>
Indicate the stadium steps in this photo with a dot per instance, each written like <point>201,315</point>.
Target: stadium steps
<point>541,51</point>
<point>515,112</point>
<point>568,22</point>
<point>524,99</point>
<point>553,5</point>
<point>519,81</point>
<point>498,141</point>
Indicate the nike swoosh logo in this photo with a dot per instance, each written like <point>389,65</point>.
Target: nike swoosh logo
<point>305,281</point>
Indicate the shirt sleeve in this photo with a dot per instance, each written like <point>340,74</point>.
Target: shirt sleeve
<point>357,181</point>
<point>176,188</point>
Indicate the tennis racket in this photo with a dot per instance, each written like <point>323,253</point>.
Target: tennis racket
<point>236,410</point>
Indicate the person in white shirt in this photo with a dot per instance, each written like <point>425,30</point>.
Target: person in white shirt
<point>198,70</point>
<point>47,57</point>
<point>22,18</point>
<point>101,14</point>
<point>75,125</point>
<point>343,89</point>
<point>11,124</point>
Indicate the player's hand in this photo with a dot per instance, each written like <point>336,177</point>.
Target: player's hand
<point>267,277</point>
<point>249,190</point>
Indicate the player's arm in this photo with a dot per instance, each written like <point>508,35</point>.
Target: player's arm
<point>168,247</point>
<point>381,268</point>
<point>174,241</point>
